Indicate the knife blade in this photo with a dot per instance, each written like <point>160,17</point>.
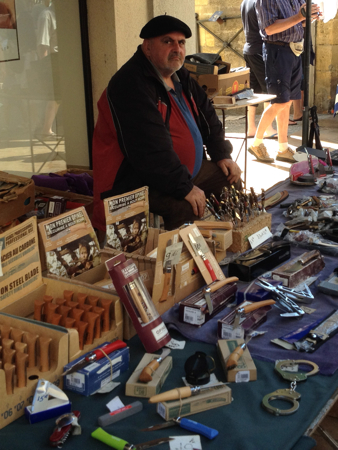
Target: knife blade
<point>120,444</point>
<point>95,355</point>
<point>302,261</point>
<point>167,277</point>
<point>199,252</point>
<point>248,308</point>
<point>183,392</point>
<point>149,369</point>
<point>187,424</point>
<point>260,252</point>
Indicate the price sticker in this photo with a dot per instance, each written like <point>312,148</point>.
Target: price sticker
<point>173,253</point>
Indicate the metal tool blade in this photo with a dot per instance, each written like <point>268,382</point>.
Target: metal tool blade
<point>78,366</point>
<point>152,443</point>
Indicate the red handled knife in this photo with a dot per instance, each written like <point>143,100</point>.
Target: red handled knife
<point>199,252</point>
<point>95,355</point>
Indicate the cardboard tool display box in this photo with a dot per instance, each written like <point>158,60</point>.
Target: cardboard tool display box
<point>220,233</point>
<point>12,405</point>
<point>98,278</point>
<point>209,399</point>
<point>22,283</point>
<point>240,242</point>
<point>250,269</point>
<point>225,84</point>
<point>245,370</point>
<point>90,379</point>
<point>194,310</point>
<point>134,387</point>
<point>16,197</point>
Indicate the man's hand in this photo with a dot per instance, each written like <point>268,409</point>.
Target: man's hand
<point>230,169</point>
<point>196,198</point>
<point>316,13</point>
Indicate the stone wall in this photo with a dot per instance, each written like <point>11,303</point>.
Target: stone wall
<point>323,82</point>
<point>326,75</point>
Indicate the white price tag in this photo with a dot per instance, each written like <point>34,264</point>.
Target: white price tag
<point>173,253</point>
<point>258,238</point>
<point>176,345</point>
<point>185,442</point>
<point>115,404</point>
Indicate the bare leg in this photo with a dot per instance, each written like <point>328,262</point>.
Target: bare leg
<point>298,108</point>
<point>50,114</point>
<point>282,122</point>
<point>270,130</point>
<point>251,120</point>
<point>267,117</point>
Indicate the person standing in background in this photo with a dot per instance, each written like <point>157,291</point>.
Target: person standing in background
<point>253,56</point>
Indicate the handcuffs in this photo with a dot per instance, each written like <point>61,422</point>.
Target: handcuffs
<point>290,395</point>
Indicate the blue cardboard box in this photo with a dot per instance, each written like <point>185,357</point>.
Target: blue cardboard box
<point>94,376</point>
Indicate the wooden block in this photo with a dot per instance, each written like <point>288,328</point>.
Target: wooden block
<point>240,235</point>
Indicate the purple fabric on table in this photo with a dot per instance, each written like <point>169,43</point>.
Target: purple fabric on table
<point>58,182</point>
<point>81,183</point>
<point>276,326</point>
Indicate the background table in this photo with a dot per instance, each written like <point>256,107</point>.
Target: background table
<point>245,103</point>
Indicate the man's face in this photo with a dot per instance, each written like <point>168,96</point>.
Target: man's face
<point>166,52</point>
<point>83,254</point>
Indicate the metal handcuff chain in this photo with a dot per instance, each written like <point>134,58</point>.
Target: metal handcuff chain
<point>289,395</point>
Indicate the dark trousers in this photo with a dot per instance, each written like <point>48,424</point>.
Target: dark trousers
<point>175,213</point>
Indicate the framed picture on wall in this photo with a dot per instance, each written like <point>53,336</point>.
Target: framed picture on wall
<point>9,45</point>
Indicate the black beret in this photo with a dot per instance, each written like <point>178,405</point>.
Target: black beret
<point>164,24</point>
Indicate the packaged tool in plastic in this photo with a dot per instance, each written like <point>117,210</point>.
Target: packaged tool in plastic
<point>137,301</point>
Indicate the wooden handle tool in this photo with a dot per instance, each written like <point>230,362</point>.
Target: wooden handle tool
<point>8,355</point>
<point>7,343</point>
<point>9,377</point>
<point>218,284</point>
<point>166,286</point>
<point>92,317</point>
<point>56,318</point>
<point>31,339</point>
<point>38,309</point>
<point>213,225</point>
<point>5,331</point>
<point>105,303</point>
<point>21,360</point>
<point>68,295</point>
<point>173,394</point>
<point>76,314</point>
<point>147,373</point>
<point>138,302</point>
<point>81,298</point>
<point>20,347</point>
<point>92,300</point>
<point>44,344</point>
<point>64,311</point>
<point>16,334</point>
<point>98,324</point>
<point>255,305</point>
<point>50,310</point>
<point>82,327</point>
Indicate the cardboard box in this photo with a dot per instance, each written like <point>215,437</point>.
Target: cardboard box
<point>93,377</point>
<point>223,100</point>
<point>135,388</point>
<point>240,242</point>
<point>12,406</point>
<point>225,84</point>
<point>22,284</point>
<point>19,200</point>
<point>73,200</point>
<point>209,399</point>
<point>200,68</point>
<point>245,370</point>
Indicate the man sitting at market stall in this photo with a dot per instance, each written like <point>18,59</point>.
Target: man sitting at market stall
<point>154,125</point>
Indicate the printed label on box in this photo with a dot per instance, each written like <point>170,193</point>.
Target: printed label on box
<point>229,333</point>
<point>193,316</point>
<point>160,331</point>
<point>258,238</point>
<point>242,377</point>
